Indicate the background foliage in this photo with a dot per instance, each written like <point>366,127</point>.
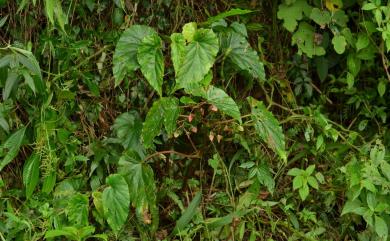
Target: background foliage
<point>194,120</point>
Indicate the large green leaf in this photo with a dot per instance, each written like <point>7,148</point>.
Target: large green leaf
<point>142,187</point>
<point>199,58</point>
<point>238,50</point>
<point>127,127</point>
<point>125,56</point>
<point>150,58</point>
<point>268,128</point>
<point>177,50</point>
<point>222,101</point>
<point>31,173</point>
<point>11,146</point>
<point>116,201</point>
<point>77,210</point>
<point>188,214</point>
<point>163,111</point>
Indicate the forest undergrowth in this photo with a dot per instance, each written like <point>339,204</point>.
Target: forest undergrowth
<point>194,120</point>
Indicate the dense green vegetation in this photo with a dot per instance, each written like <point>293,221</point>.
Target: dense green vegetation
<point>194,120</point>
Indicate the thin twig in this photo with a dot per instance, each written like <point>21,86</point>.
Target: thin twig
<point>320,92</point>
<point>172,152</point>
<point>384,61</point>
